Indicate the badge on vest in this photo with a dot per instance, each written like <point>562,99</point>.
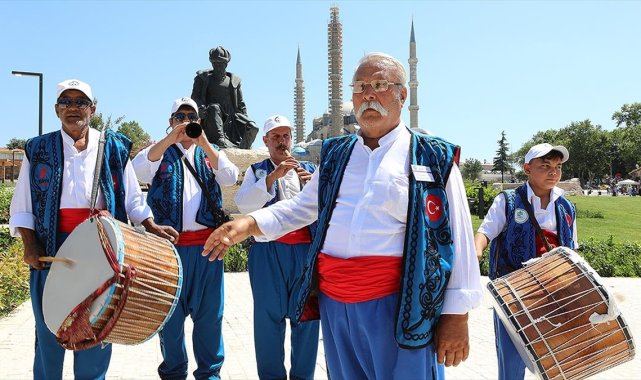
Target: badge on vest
<point>260,173</point>
<point>520,216</point>
<point>422,173</point>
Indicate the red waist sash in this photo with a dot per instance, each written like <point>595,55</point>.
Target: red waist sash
<point>194,237</point>
<point>358,279</point>
<point>552,239</point>
<point>299,236</point>
<point>70,218</point>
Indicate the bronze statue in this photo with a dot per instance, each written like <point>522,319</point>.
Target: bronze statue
<point>220,104</point>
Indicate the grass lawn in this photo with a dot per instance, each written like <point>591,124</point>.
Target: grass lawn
<point>621,218</point>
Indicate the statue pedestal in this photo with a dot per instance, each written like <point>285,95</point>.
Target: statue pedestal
<point>242,158</point>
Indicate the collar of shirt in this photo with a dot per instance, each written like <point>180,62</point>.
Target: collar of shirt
<point>93,136</point>
<point>555,193</point>
<point>386,140</point>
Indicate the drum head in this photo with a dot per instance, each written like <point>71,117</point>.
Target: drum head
<point>68,285</point>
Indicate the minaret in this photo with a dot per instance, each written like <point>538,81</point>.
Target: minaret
<point>335,71</point>
<point>413,83</point>
<point>299,102</point>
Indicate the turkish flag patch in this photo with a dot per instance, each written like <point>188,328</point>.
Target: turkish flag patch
<point>207,163</point>
<point>569,219</point>
<point>433,207</point>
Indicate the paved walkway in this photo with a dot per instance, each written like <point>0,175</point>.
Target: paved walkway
<point>140,362</point>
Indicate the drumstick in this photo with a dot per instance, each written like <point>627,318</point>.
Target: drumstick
<point>66,261</point>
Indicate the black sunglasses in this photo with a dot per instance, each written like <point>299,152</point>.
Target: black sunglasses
<point>79,103</point>
<point>180,117</point>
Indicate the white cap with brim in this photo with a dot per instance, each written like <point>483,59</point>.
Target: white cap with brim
<point>74,84</point>
<point>183,102</point>
<point>541,150</point>
<point>275,122</point>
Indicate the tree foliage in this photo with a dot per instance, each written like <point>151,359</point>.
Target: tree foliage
<point>502,159</point>
<point>629,115</point>
<point>16,143</point>
<point>136,134</point>
<point>471,169</point>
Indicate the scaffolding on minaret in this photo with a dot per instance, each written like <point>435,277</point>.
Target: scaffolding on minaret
<point>299,102</point>
<point>335,72</point>
<point>413,83</point>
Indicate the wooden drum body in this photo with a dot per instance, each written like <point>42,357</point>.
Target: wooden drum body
<point>561,318</point>
<point>122,286</point>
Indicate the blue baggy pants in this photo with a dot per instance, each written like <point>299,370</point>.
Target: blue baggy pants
<point>202,298</point>
<point>511,366</point>
<point>274,270</point>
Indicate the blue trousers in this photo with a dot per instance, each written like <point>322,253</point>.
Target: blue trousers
<point>359,343</point>
<point>274,269</point>
<point>511,366</point>
<point>49,355</point>
<point>202,298</point>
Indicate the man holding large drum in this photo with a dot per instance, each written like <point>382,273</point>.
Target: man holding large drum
<point>53,196</point>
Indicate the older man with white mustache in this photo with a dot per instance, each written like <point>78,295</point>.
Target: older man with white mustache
<point>392,269</point>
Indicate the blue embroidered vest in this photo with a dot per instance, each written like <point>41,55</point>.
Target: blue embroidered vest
<point>428,251</point>
<point>46,159</point>
<point>517,242</point>
<point>165,196</point>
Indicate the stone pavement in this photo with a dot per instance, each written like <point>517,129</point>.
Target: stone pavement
<point>140,362</point>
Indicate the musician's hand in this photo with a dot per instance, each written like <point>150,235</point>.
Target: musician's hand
<point>451,340</point>
<point>33,249</point>
<point>177,134</point>
<point>280,170</point>
<point>303,175</point>
<point>227,235</point>
<point>165,232</point>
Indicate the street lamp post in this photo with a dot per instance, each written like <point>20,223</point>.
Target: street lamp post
<point>39,75</point>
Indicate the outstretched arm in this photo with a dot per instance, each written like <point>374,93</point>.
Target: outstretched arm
<point>229,234</point>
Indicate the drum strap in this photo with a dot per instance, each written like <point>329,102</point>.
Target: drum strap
<point>220,215</point>
<point>534,222</point>
<point>96,174</point>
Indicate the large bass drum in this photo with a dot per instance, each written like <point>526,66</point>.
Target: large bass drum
<point>118,285</point>
<point>561,318</point>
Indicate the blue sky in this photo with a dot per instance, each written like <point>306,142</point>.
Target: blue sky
<point>484,66</point>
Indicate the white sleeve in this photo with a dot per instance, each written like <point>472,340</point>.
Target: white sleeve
<point>227,172</point>
<point>135,203</point>
<point>253,194</point>
<point>145,170</point>
<point>291,214</point>
<point>20,211</point>
<point>464,291</point>
<point>495,219</point>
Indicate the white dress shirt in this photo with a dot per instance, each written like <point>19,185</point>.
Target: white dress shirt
<point>371,211</point>
<point>495,218</point>
<point>226,175</point>
<point>253,193</point>
<point>77,180</point>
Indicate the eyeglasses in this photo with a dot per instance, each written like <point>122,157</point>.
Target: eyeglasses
<point>78,103</point>
<point>180,117</point>
<point>378,85</point>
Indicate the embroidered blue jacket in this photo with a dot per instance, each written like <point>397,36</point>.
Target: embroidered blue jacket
<point>46,158</point>
<point>428,253</point>
<point>165,196</point>
<point>517,242</point>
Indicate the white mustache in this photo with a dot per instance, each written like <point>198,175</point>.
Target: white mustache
<point>376,106</point>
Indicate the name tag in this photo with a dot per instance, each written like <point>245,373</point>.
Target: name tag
<point>422,173</point>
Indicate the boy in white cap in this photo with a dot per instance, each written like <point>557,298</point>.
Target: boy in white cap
<point>177,199</point>
<point>516,238</point>
<point>52,197</point>
<point>274,266</point>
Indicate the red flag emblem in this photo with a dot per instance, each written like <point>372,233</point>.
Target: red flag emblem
<point>433,207</point>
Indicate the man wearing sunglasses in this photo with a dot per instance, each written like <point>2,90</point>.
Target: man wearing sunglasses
<point>177,199</point>
<point>52,197</point>
<point>392,269</point>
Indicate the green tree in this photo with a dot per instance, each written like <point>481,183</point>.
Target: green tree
<point>471,169</point>
<point>502,159</point>
<point>588,145</point>
<point>629,115</point>
<point>136,134</point>
<point>16,143</point>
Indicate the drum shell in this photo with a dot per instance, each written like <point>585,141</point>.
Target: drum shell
<point>546,307</point>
